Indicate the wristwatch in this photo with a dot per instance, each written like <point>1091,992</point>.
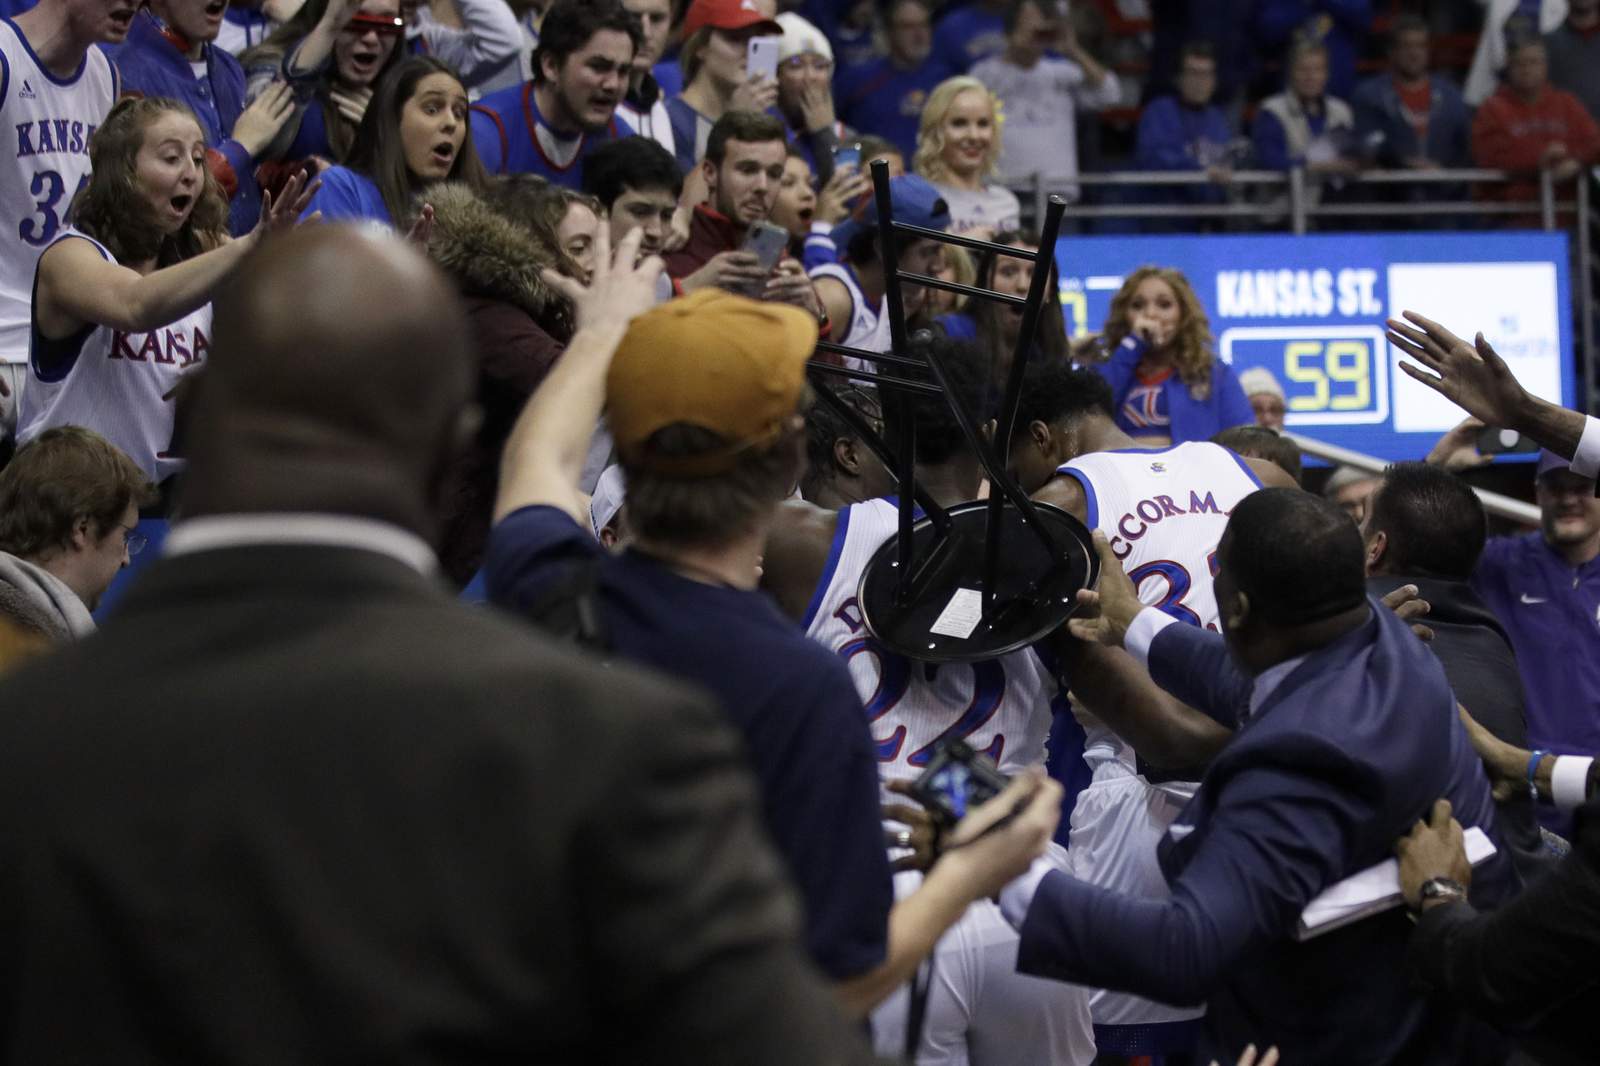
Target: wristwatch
<point>1444,888</point>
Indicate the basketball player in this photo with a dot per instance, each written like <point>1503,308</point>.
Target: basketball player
<point>980,1010</point>
<point>852,290</point>
<point>55,88</point>
<point>1163,512</point>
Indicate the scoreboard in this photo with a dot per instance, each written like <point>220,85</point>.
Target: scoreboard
<point>1311,310</point>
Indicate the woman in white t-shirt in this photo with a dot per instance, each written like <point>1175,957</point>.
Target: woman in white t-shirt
<point>958,146</point>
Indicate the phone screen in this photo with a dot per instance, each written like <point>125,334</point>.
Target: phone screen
<point>761,57</point>
<point>847,155</point>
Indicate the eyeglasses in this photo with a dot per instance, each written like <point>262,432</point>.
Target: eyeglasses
<point>133,540</point>
<point>383,25</point>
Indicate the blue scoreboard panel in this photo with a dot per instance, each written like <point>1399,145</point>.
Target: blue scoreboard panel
<point>1311,310</point>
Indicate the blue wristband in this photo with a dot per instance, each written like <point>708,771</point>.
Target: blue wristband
<point>1533,771</point>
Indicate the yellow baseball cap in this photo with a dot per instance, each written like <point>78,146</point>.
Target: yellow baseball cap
<point>725,363</point>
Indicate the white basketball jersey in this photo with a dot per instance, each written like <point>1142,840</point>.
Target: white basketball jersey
<point>1164,513</point>
<point>118,384</point>
<point>47,123</point>
<point>865,322</point>
<point>1000,706</point>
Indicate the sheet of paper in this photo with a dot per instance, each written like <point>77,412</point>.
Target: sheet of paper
<point>1372,891</point>
<point>960,616</point>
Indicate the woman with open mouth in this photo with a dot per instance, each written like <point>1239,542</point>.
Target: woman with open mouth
<point>122,298</point>
<point>332,52</point>
<point>958,149</point>
<point>415,133</point>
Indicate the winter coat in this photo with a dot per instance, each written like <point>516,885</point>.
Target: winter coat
<point>519,327</point>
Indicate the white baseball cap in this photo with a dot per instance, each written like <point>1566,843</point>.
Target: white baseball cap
<point>609,492</point>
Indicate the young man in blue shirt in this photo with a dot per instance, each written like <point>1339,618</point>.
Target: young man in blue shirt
<point>549,125</point>
<point>703,397</point>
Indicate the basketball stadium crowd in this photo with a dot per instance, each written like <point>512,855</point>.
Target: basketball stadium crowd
<point>462,466</point>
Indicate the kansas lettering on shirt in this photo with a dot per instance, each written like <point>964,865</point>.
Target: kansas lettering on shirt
<point>48,123</point>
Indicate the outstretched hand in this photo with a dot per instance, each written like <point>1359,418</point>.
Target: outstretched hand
<point>282,214</point>
<point>621,288</point>
<point>422,228</point>
<point>1471,376</point>
<point>1104,614</point>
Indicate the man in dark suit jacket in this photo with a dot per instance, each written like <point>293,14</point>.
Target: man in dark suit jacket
<point>1345,728</point>
<point>1530,966</point>
<point>294,803</point>
<point>1425,527</point>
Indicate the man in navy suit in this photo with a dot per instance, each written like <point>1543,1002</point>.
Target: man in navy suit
<point>1346,732</point>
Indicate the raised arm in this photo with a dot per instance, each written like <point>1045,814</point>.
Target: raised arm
<point>487,39</point>
<point>315,47</point>
<point>550,440</point>
<point>77,286</point>
<point>1475,378</point>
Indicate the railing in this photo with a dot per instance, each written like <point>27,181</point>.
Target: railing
<point>1493,502</point>
<point>1274,200</point>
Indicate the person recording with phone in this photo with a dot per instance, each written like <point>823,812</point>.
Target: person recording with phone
<point>717,74</point>
<point>732,244</point>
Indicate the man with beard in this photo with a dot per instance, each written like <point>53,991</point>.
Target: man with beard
<point>744,161</point>
<point>550,125</point>
<point>54,82</point>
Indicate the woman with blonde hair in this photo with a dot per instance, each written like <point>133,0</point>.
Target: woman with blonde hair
<point>1168,385</point>
<point>958,147</point>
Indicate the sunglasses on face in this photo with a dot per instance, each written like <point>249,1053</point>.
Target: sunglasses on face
<point>383,25</point>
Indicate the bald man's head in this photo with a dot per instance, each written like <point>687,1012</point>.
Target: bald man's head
<point>339,381</point>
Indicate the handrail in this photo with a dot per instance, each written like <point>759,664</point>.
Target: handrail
<point>1300,205</point>
<point>1493,502</point>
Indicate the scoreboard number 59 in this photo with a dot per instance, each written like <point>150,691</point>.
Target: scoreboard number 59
<point>1333,375</point>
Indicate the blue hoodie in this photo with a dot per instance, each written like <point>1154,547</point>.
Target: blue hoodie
<point>152,65</point>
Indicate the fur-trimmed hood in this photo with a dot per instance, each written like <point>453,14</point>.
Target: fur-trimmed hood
<point>487,253</point>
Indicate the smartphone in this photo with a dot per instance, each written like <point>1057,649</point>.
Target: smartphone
<point>767,242</point>
<point>957,780</point>
<point>761,57</point>
<point>1492,441</point>
<point>847,155</point>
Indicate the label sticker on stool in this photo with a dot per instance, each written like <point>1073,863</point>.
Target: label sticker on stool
<point>961,615</point>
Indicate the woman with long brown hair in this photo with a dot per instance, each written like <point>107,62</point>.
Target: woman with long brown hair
<point>121,305</point>
<point>414,133</point>
<point>1166,380</point>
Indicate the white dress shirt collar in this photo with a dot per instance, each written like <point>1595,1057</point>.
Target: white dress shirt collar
<point>324,530</point>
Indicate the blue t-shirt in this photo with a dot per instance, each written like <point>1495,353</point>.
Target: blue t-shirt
<point>881,99</point>
<point>969,35</point>
<point>504,128</point>
<point>791,698</point>
<point>348,196</point>
<point>1551,612</point>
